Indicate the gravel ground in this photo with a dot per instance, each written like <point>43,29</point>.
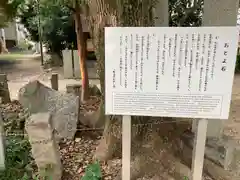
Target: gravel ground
<point>77,154</point>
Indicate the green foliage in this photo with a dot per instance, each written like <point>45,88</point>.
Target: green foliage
<point>24,45</point>
<point>56,23</point>
<point>28,17</point>
<point>237,67</point>
<point>44,174</point>
<point>184,13</point>
<point>8,10</point>
<point>17,159</point>
<point>93,172</point>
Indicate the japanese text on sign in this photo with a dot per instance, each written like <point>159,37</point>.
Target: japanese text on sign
<point>177,72</point>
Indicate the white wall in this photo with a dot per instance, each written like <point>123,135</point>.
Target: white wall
<point>15,31</point>
<point>11,31</point>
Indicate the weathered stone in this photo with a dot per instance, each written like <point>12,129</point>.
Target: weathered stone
<point>54,81</point>
<point>211,168</point>
<point>224,152</point>
<point>93,118</point>
<point>214,129</point>
<point>74,89</point>
<point>64,108</point>
<point>45,149</point>
<point>94,90</point>
<point>46,61</point>
<point>77,89</point>
<point>51,59</point>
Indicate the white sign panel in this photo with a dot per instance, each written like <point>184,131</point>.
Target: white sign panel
<point>169,71</point>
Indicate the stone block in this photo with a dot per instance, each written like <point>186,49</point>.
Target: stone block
<point>45,149</point>
<point>214,129</point>
<point>74,89</point>
<point>64,108</point>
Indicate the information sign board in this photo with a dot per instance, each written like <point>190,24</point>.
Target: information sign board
<point>171,72</point>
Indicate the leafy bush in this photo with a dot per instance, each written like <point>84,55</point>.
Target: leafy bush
<point>24,45</point>
<point>57,23</point>
<point>18,159</point>
<point>93,172</point>
<point>237,67</point>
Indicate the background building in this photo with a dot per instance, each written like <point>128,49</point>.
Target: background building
<point>13,34</point>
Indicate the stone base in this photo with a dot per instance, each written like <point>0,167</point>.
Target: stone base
<point>45,148</point>
<point>225,153</point>
<point>77,89</point>
<point>214,129</point>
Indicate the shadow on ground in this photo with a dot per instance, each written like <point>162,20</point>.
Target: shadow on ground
<point>8,63</point>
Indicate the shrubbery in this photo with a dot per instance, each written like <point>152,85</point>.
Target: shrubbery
<point>18,159</point>
<point>237,67</point>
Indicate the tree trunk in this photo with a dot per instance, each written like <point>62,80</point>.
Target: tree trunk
<point>82,51</point>
<point>102,13</point>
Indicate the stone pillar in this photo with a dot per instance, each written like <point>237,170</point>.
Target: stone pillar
<point>160,13</point>
<point>54,81</point>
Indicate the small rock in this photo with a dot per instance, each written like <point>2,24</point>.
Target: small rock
<point>77,140</point>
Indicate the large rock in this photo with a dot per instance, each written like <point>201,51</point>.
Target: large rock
<point>93,119</point>
<point>45,149</point>
<point>64,108</point>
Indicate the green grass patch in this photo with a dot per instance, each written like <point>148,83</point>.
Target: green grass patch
<point>12,57</point>
<point>93,172</point>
